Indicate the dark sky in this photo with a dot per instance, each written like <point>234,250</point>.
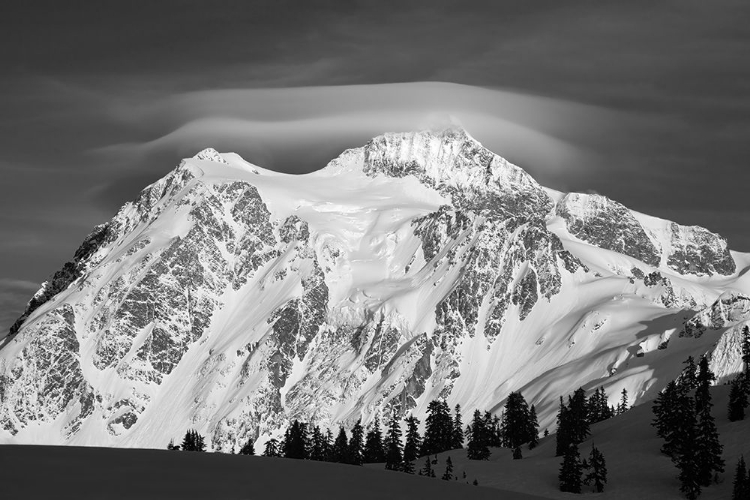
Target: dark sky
<point>647,102</point>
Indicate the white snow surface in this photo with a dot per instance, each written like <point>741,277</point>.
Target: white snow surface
<point>116,358</point>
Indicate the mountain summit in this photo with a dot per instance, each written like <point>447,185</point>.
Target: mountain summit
<point>232,299</point>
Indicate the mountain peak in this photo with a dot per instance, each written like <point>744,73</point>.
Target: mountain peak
<point>210,154</point>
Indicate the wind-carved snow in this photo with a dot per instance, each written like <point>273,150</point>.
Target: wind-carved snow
<point>232,299</point>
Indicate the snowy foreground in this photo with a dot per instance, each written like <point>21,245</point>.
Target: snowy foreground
<point>232,299</point>
<point>636,470</point>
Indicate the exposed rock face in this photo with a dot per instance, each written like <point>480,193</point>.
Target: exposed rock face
<point>698,251</point>
<point>607,224</point>
<point>728,310</point>
<point>232,301</point>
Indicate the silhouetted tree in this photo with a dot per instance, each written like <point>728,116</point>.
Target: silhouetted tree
<point>374,450</point>
<point>393,455</point>
<point>623,406</point>
<point>458,430</point>
<point>689,376</point>
<point>516,423</point>
<point>172,446</point>
<point>741,486</point>
<point>193,441</point>
<point>356,444</point>
<point>596,470</point>
<point>272,448</point>
<point>295,440</point>
<point>448,474</point>
<point>737,400</point>
<point>477,447</point>
<point>707,443</point>
<point>248,448</point>
<point>427,470</point>
<point>340,451</point>
<point>571,471</point>
<point>318,445</point>
<point>412,445</point>
<point>438,434</point>
<point>533,428</point>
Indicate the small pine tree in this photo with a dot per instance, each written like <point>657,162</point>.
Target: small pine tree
<point>597,470</point>
<point>737,400</point>
<point>248,448</point>
<point>623,406</point>
<point>448,474</point>
<point>427,469</point>
<point>272,448</point>
<point>688,378</point>
<point>517,455</point>
<point>533,428</point>
<point>741,487</point>
<point>571,471</point>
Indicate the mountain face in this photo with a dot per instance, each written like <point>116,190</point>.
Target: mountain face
<point>231,299</point>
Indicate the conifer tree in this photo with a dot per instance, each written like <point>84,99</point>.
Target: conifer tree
<point>427,469</point>
<point>374,450</point>
<point>193,441</point>
<point>356,444</point>
<point>248,448</point>
<point>597,470</point>
<point>563,433</point>
<point>533,428</point>
<point>571,470</point>
<point>295,440</point>
<point>317,448</point>
<point>328,445</point>
<point>577,416</point>
<point>737,400</point>
<point>668,415</point>
<point>448,474</point>
<point>684,450</point>
<point>393,455</point>
<point>272,448</point>
<point>688,377</point>
<point>413,443</point>
<point>172,446</point>
<point>741,486</point>
<point>623,406</point>
<point>457,441</point>
<point>340,450</point>
<point>516,424</point>
<point>517,455</point>
<point>477,447</point>
<point>707,443</point>
<point>438,434</point>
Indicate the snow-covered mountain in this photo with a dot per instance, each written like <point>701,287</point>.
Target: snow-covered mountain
<point>230,299</point>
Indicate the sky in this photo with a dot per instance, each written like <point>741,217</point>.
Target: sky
<point>646,102</point>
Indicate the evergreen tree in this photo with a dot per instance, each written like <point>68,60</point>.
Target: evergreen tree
<point>317,448</point>
<point>684,450</point>
<point>457,441</point>
<point>533,428</point>
<point>516,424</point>
<point>340,450</point>
<point>517,455</point>
<point>374,450</point>
<point>328,446</point>
<point>477,447</point>
<point>248,448</point>
<point>193,441</point>
<point>688,378</point>
<point>707,436</point>
<point>393,454</point>
<point>623,406</point>
<point>577,416</point>
<point>427,469</point>
<point>413,443</point>
<point>737,400</point>
<point>741,488</point>
<point>597,470</point>
<point>438,434</point>
<point>295,440</point>
<point>272,448</point>
<point>563,433</point>
<point>448,474</point>
<point>571,470</point>
<point>356,444</point>
<point>172,446</point>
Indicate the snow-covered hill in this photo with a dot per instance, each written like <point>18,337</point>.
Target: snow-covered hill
<point>231,299</point>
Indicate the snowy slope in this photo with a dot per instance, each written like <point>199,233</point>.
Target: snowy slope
<point>231,299</point>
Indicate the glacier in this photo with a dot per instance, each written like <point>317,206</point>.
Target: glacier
<point>232,299</point>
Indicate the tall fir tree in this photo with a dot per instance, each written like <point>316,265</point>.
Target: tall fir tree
<point>295,441</point>
<point>707,443</point>
<point>374,450</point>
<point>741,485</point>
<point>684,449</point>
<point>563,433</point>
<point>577,413</point>
<point>318,448</point>
<point>737,400</point>
<point>357,444</point>
<point>438,434</point>
<point>571,470</point>
<point>477,447</point>
<point>457,441</point>
<point>623,405</point>
<point>533,428</point>
<point>516,421</point>
<point>689,376</point>
<point>413,443</point>
<point>596,473</point>
<point>393,454</point>
<point>669,410</point>
<point>340,451</point>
